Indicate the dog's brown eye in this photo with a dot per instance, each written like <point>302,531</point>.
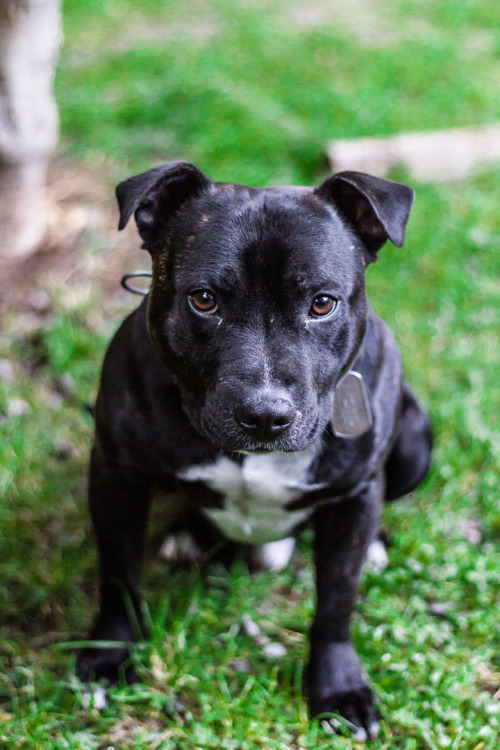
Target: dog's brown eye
<point>203,301</point>
<point>322,305</point>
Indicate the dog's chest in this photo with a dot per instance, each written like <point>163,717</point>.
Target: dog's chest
<point>256,493</point>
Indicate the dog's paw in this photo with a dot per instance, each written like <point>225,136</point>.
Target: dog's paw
<point>107,655</point>
<point>274,555</point>
<point>107,664</point>
<point>356,712</point>
<point>339,694</point>
<point>95,697</point>
<point>377,558</point>
<point>180,548</point>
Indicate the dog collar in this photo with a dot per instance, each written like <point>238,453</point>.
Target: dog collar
<point>135,275</point>
<point>351,414</point>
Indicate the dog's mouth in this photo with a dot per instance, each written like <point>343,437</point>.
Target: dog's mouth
<point>262,451</point>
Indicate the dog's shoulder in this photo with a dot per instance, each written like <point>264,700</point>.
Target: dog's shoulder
<point>379,362</point>
<point>346,462</point>
<point>139,407</point>
<point>131,369</point>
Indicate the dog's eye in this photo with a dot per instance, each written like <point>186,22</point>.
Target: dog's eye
<point>203,301</point>
<point>322,305</point>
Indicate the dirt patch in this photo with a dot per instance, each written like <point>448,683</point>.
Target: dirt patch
<point>83,256</point>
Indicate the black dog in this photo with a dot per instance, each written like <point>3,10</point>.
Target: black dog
<point>256,378</point>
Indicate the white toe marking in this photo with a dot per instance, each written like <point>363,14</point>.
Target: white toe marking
<point>180,547</point>
<point>274,649</point>
<point>276,555</point>
<point>95,698</point>
<point>377,557</point>
<point>331,725</point>
<point>168,550</point>
<point>249,626</point>
<point>360,735</point>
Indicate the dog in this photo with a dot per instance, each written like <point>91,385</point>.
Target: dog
<point>256,382</point>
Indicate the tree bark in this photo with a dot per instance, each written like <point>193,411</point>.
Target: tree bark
<point>30,33</point>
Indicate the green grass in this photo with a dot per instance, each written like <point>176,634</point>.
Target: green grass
<point>252,92</point>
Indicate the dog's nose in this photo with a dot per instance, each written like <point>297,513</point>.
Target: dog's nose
<point>265,417</point>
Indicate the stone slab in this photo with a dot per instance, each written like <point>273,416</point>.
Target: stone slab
<point>439,155</point>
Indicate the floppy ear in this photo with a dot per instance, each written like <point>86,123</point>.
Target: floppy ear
<point>377,209</point>
<point>155,195</point>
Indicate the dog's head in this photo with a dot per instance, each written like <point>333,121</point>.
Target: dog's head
<point>258,303</point>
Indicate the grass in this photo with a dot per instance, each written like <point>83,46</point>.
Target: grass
<point>252,92</point>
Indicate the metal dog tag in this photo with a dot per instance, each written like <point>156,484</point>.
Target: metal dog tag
<point>351,410</point>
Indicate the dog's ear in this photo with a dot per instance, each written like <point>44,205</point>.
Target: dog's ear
<point>155,195</point>
<point>376,209</point>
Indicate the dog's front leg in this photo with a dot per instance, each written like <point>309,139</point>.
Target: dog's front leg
<point>119,504</point>
<point>343,533</point>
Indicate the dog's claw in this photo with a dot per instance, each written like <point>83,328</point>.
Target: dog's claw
<point>334,726</point>
<point>355,712</point>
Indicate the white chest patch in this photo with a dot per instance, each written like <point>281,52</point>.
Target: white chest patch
<point>256,493</point>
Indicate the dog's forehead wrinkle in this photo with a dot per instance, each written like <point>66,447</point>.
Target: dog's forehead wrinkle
<point>272,225</point>
<point>280,193</point>
<point>220,274</point>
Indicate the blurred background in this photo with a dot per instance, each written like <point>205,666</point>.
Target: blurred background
<point>253,92</point>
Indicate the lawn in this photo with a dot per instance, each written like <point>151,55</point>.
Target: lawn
<point>252,92</point>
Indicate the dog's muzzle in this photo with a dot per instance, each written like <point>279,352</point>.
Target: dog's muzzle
<point>265,416</point>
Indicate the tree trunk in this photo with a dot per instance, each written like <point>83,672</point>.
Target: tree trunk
<point>30,32</point>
